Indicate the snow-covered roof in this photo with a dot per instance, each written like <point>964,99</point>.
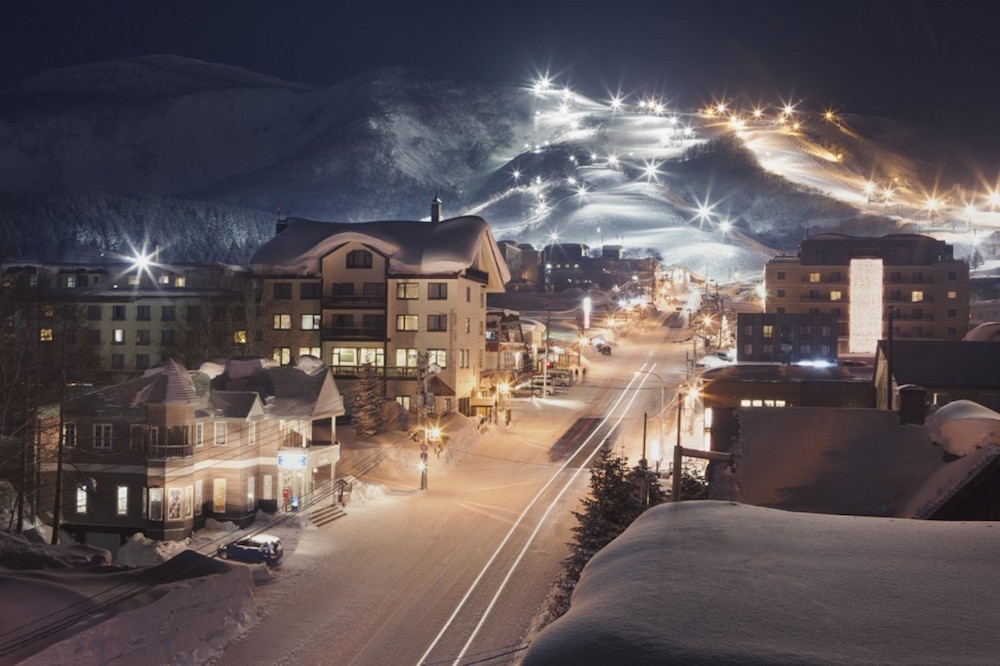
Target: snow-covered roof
<point>412,247</point>
<point>944,363</point>
<point>713,582</point>
<point>986,332</point>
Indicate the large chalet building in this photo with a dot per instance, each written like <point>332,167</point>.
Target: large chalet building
<point>913,281</point>
<point>383,294</point>
<point>161,453</point>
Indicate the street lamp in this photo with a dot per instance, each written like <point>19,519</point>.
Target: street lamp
<point>433,434</point>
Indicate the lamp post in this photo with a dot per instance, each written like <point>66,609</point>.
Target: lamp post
<point>889,369</point>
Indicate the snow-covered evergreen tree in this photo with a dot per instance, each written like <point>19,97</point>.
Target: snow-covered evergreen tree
<point>618,495</point>
<point>368,416</point>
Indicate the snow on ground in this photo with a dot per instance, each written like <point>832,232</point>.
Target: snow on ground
<point>713,582</point>
<point>73,606</point>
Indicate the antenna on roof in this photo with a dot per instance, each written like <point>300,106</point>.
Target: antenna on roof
<point>436,209</point>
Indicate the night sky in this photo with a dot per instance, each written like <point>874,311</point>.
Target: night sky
<point>934,61</point>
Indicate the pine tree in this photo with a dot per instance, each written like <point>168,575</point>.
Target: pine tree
<point>368,416</point>
<point>617,497</point>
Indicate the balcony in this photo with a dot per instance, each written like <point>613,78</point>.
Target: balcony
<point>358,301</point>
<point>926,279</point>
<point>353,333</point>
<point>169,451</point>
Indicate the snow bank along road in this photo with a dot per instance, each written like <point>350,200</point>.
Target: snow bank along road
<point>454,574</point>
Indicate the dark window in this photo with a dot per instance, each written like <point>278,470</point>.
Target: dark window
<point>310,290</point>
<point>895,276</point>
<point>94,312</point>
<point>168,313</point>
<point>343,321</point>
<point>168,337</point>
<point>952,275</point>
<point>781,310</point>
<point>359,259</point>
<point>342,288</point>
<point>194,313</point>
<point>835,276</point>
<point>142,313</point>
<point>142,337</point>
<point>374,321</point>
<point>118,312</point>
<point>781,275</point>
<point>437,322</point>
<point>952,330</point>
<point>374,289</point>
<point>94,336</point>
<point>952,312</point>
<point>283,291</point>
<point>437,291</point>
<point>142,361</point>
<point>468,294</point>
<point>781,293</point>
<point>118,360</point>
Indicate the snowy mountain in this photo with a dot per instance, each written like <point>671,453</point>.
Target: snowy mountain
<point>226,147</point>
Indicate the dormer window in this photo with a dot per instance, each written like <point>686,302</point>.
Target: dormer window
<point>359,259</point>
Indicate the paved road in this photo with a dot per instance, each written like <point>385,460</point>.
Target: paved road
<point>459,571</point>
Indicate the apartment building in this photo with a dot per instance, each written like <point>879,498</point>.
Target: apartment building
<point>383,293</point>
<point>912,280</point>
<point>128,316</point>
<point>161,453</point>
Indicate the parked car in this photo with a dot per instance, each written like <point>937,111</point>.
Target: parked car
<point>605,349</point>
<point>560,377</point>
<point>253,549</point>
<point>538,381</point>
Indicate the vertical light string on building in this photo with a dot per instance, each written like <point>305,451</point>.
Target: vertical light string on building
<point>865,319</point>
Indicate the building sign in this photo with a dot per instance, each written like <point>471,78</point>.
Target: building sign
<point>290,461</point>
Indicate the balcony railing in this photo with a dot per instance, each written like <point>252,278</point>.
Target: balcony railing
<point>353,333</point>
<point>168,451</point>
<point>354,301</point>
<point>391,372</point>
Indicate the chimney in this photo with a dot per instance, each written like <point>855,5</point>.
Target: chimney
<point>436,209</point>
<point>912,404</point>
<point>280,225</point>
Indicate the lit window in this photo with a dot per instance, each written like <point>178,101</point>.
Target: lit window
<point>309,351</point>
<point>156,503</point>
<point>81,499</point>
<point>240,337</point>
<point>282,355</point>
<point>118,336</point>
<point>45,335</point>
<point>199,434</point>
<point>69,434</point>
<point>744,402</point>
<point>768,331</point>
<point>372,356</point>
<point>814,277</point>
<point>220,433</point>
<point>407,291</point>
<point>282,322</point>
<point>438,356</point>
<point>407,322</point>
<point>836,295</point>
<point>310,322</point>
<point>468,325</point>
<point>122,500</point>
<point>71,281</point>
<point>180,281</point>
<point>952,295</point>
<point>406,358</point>
<point>757,403</point>
<point>916,297</point>
<point>164,279</point>
<point>404,401</point>
<point>344,356</point>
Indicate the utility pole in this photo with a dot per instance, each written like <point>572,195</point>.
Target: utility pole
<point>545,364</point>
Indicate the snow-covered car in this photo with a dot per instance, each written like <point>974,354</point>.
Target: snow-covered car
<point>253,549</point>
<point>605,349</point>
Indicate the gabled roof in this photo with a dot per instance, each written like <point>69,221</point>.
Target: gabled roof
<point>286,390</point>
<point>944,363</point>
<point>412,247</point>
<point>233,404</point>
